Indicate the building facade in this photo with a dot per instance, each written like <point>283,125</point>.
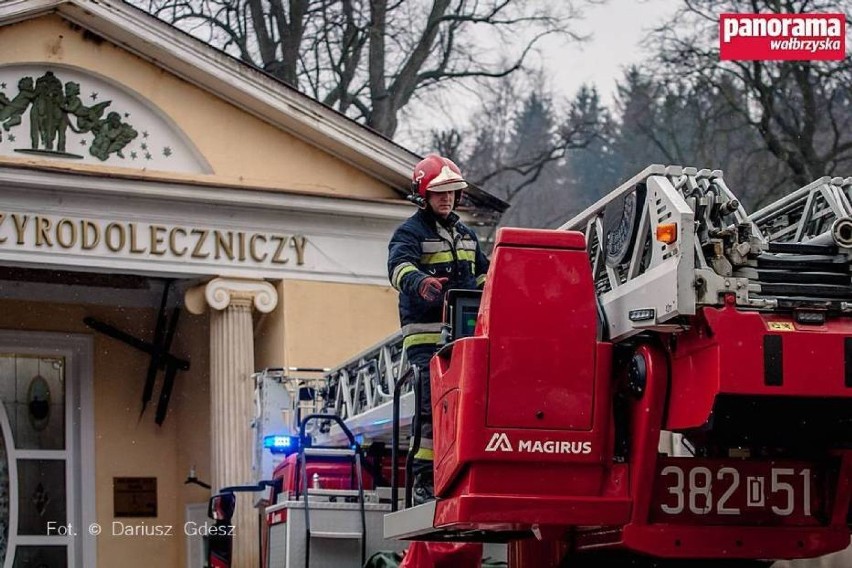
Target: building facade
<point>171,220</point>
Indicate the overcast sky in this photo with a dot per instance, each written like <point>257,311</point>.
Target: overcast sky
<point>618,29</point>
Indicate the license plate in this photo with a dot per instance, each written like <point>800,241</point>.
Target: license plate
<point>708,491</point>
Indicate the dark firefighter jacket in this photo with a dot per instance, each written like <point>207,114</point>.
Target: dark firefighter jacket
<point>422,247</point>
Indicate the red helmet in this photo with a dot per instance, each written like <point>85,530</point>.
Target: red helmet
<point>436,173</point>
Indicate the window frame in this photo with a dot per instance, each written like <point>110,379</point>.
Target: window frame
<point>79,453</point>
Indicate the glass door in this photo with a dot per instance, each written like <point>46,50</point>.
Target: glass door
<point>34,463</point>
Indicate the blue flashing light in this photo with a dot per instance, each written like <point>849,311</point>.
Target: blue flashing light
<point>281,444</point>
<point>382,421</point>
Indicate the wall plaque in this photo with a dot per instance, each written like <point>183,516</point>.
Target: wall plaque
<point>134,496</point>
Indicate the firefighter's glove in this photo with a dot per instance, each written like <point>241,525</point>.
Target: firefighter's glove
<point>430,288</point>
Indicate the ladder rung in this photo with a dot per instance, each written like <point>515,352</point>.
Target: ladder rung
<point>328,452</point>
<point>816,291</point>
<point>809,263</point>
<point>333,534</point>
<point>802,248</point>
<point>793,277</point>
<point>334,492</point>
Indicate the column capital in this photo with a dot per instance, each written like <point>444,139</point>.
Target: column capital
<point>220,293</point>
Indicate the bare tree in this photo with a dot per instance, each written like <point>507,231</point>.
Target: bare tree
<point>517,145</point>
<point>368,58</point>
<point>676,121</point>
<point>801,110</point>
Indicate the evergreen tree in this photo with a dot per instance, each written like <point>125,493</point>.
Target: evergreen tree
<point>592,171</point>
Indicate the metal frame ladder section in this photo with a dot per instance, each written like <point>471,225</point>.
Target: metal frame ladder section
<point>808,212</point>
<point>716,249</point>
<point>353,451</point>
<point>643,285</point>
<point>361,392</point>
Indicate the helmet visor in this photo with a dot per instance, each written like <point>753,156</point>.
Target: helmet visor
<point>448,185</point>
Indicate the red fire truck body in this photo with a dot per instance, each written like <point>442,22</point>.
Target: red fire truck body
<point>545,461</point>
<point>664,378</point>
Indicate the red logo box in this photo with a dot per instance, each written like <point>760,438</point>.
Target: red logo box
<point>782,37</point>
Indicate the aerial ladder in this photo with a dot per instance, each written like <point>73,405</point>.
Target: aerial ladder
<point>361,390</point>
<point>665,377</point>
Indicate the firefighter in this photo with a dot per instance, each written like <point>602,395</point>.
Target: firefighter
<point>430,253</point>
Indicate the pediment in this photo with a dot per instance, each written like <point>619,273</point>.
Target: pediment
<point>133,116</point>
<point>65,113</point>
<point>214,120</point>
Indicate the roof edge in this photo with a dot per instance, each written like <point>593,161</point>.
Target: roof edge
<point>243,85</point>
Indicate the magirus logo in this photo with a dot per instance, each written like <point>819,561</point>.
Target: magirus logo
<point>500,442</point>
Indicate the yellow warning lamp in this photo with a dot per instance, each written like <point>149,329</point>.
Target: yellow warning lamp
<point>667,233</point>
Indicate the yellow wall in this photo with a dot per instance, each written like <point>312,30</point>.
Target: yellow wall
<point>241,149</point>
<point>316,324</point>
<point>269,335</point>
<point>124,445</point>
<point>326,323</point>
<point>190,408</point>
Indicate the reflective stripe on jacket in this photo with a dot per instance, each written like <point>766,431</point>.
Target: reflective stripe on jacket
<point>423,247</point>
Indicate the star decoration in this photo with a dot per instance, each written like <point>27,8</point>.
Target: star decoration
<point>144,134</point>
<point>94,96</point>
<point>82,142</point>
<point>133,155</point>
<point>147,155</point>
<point>144,146</point>
<point>167,151</point>
<point>126,115</point>
<point>2,85</point>
<point>11,138</point>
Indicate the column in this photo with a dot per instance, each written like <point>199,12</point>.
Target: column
<point>231,302</point>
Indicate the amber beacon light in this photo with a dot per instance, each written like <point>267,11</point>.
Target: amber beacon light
<point>667,233</point>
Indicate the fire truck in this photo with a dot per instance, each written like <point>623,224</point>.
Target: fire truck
<point>663,380</point>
